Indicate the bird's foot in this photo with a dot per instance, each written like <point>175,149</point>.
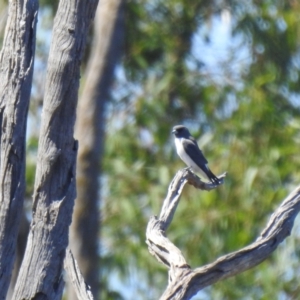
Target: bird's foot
<point>188,168</point>
<point>217,181</point>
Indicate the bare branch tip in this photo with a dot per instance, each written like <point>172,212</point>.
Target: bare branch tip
<point>196,181</point>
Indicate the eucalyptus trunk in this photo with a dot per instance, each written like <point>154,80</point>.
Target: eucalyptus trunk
<point>16,69</point>
<point>40,275</point>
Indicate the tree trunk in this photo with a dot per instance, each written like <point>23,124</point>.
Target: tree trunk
<point>16,68</point>
<point>40,275</point>
<point>20,250</point>
<point>106,51</point>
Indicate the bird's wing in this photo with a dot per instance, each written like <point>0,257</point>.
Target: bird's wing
<point>192,149</point>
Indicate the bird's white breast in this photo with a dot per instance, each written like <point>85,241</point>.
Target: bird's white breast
<point>179,148</point>
<point>186,159</point>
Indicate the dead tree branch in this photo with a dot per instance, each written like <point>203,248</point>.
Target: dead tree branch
<point>82,290</point>
<point>185,282</point>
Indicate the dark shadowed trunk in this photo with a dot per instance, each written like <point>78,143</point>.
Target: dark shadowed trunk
<point>106,51</point>
<point>20,250</point>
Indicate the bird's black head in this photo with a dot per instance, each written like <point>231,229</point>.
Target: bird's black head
<point>181,131</point>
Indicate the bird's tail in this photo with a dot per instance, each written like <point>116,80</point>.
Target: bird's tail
<point>213,178</point>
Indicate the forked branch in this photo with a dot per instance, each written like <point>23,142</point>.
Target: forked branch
<point>185,282</point>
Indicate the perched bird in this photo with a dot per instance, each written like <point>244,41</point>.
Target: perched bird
<point>189,151</point>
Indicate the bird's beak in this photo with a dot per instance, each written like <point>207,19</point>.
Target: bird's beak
<point>174,131</point>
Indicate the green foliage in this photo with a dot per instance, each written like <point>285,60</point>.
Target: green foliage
<point>31,149</point>
<point>249,128</point>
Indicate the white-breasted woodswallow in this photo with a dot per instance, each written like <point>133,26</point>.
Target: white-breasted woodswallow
<point>189,151</point>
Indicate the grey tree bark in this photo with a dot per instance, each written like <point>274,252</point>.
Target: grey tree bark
<point>82,291</point>
<point>40,276</point>
<point>185,282</point>
<point>20,250</point>
<point>16,68</point>
<point>105,54</point>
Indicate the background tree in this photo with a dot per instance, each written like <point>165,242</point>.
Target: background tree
<point>105,53</point>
